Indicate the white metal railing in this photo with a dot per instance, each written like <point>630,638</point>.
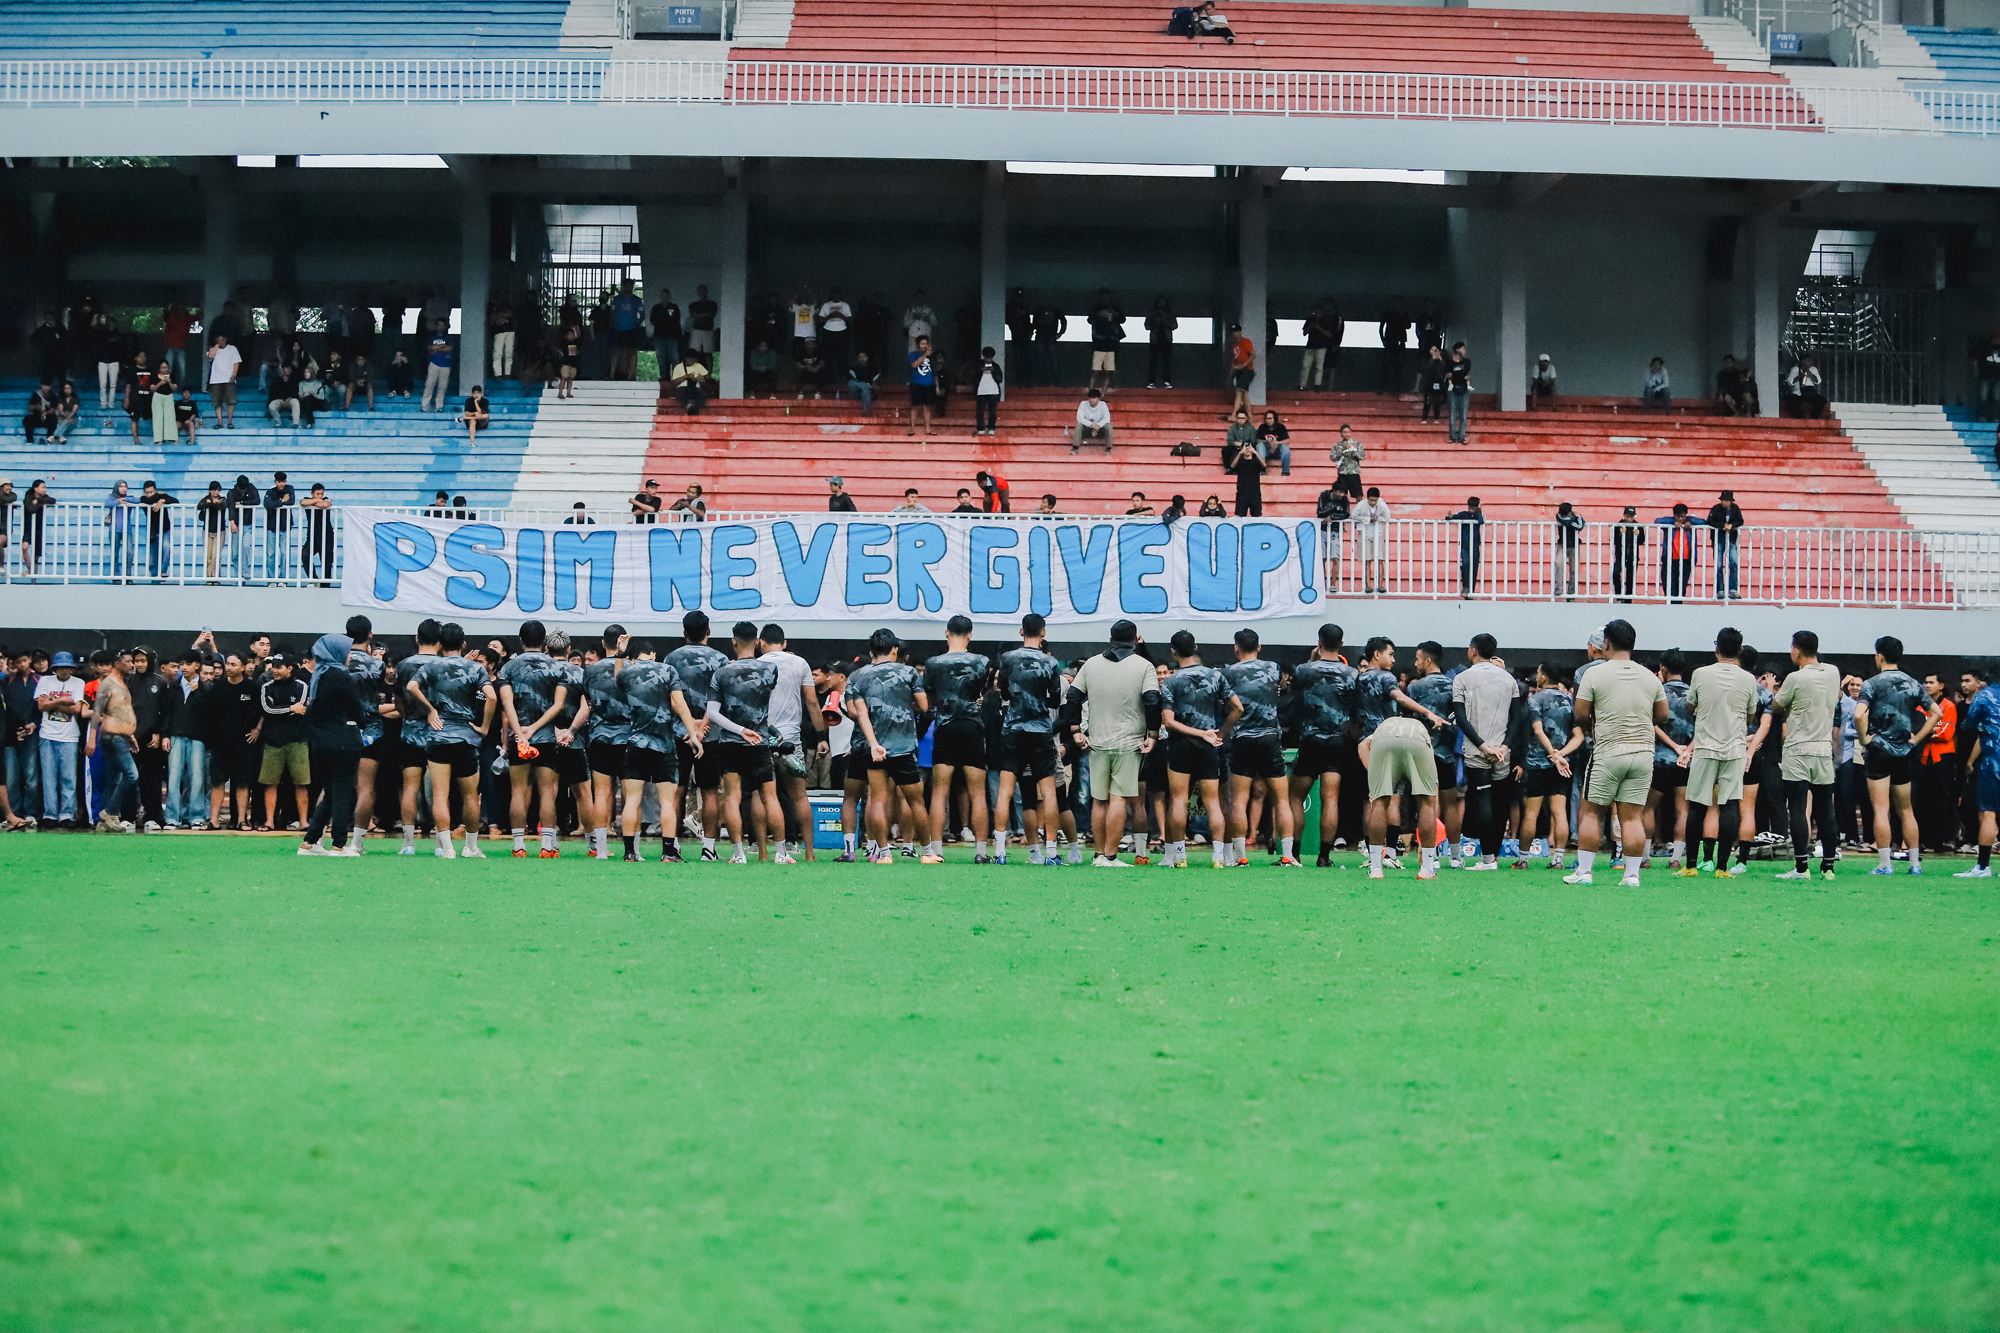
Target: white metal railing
<point>1752,105</point>
<point>1413,558</point>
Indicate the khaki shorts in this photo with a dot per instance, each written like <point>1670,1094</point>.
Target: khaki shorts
<point>1114,773</point>
<point>1401,761</point>
<point>1723,777</point>
<point>1100,360</point>
<point>1815,770</point>
<point>1623,779</point>
<point>280,760</point>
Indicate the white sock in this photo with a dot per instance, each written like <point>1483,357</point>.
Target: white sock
<point>847,841</point>
<point>1680,849</point>
<point>779,845</point>
<point>1000,842</point>
<point>471,838</point>
<point>444,839</point>
<point>409,835</point>
<point>1916,855</point>
<point>1647,850</point>
<point>979,847</point>
<point>1375,858</point>
<point>1882,855</point>
<point>1050,852</point>
<point>1285,847</point>
<point>934,848</point>
<point>520,840</point>
<point>1584,860</point>
<point>1430,858</point>
<point>741,850</point>
<point>708,844</point>
<point>1237,847</point>
<point>1176,852</point>
<point>548,838</point>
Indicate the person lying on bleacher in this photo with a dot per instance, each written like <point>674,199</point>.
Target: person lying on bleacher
<point>1210,23</point>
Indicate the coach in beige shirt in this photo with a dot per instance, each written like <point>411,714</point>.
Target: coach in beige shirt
<point>1122,690</point>
<point>1619,703</point>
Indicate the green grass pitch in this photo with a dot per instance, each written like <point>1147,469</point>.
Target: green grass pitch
<point>244,1091</point>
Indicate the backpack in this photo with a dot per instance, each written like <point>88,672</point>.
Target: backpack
<point>1181,23</point>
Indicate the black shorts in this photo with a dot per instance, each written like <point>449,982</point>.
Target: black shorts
<point>1447,771</point>
<point>1032,756</point>
<point>1669,777</point>
<point>960,744</point>
<point>752,763</point>
<point>461,756</point>
<point>1153,768</point>
<point>1544,782</point>
<point>858,764</point>
<point>706,769</point>
<point>607,760</point>
<point>1198,759</point>
<point>901,770</point>
<point>238,764</point>
<point>1894,767</point>
<point>923,395</point>
<point>637,765</point>
<point>566,760</point>
<point>1256,757</point>
<point>1317,757</point>
<point>384,749</point>
<point>1476,778</point>
<point>409,755</point>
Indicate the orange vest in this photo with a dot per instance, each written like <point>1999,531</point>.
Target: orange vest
<point>1943,743</point>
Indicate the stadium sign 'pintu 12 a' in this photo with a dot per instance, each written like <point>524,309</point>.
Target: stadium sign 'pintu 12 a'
<point>837,567</point>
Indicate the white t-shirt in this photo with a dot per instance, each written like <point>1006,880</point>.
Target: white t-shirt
<point>786,700</point>
<point>59,726</point>
<point>802,321</point>
<point>222,364</point>
<point>987,388</point>
<point>833,316</point>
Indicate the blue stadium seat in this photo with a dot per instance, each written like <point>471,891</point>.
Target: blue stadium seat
<point>1969,58</point>
<point>393,456</point>
<point>285,29</point>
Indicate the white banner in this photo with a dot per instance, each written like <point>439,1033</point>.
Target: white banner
<point>837,568</point>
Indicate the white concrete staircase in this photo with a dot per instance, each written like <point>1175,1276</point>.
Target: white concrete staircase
<point>1860,97</point>
<point>1889,47</point>
<point>590,448</point>
<point>763,23</point>
<point>592,26</point>
<point>1945,490</point>
<point>1732,44</point>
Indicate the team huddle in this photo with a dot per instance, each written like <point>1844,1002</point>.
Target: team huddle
<point>1438,748</point>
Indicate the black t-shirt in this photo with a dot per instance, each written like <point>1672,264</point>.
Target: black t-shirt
<point>702,314</point>
<point>229,713</point>
<point>1459,373</point>
<point>666,320</point>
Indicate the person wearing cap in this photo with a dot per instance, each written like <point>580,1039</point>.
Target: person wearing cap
<point>1628,536</point>
<point>1725,520</point>
<point>646,504</point>
<point>1123,692</point>
<point>59,700</point>
<point>1569,526</point>
<point>1542,380</point>
<point>838,501</point>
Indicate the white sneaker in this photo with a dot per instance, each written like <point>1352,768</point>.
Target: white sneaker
<point>739,859</point>
<point>1484,865</point>
<point>965,835</point>
<point>152,826</point>
<point>1456,863</point>
<point>311,849</point>
<point>1976,872</point>
<point>472,852</point>
<point>1110,863</point>
<point>1578,877</point>
<point>411,850</point>
<point>784,859</point>
<point>349,850</point>
<point>1630,881</point>
<point>444,854</point>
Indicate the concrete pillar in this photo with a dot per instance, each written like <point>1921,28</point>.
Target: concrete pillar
<point>1768,294</point>
<point>475,278</point>
<point>993,261</point>
<point>732,319</point>
<point>1253,248</point>
<point>1513,376</point>
<point>218,269</point>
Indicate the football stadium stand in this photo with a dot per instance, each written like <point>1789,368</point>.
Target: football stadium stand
<point>289,29</point>
<point>1270,35</point>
